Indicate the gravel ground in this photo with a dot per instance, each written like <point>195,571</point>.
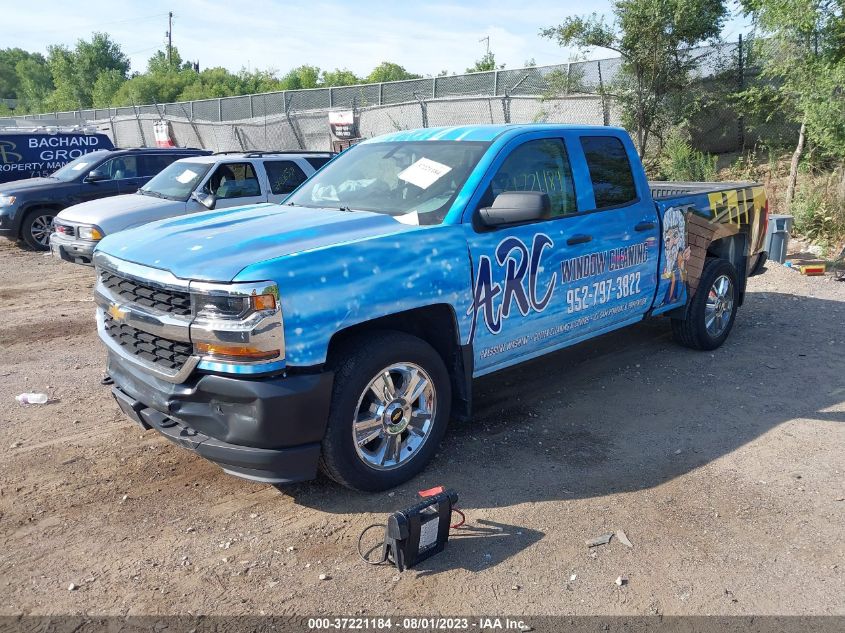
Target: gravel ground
<point>724,469</point>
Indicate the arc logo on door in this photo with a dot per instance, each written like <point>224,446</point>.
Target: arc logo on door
<point>519,280</point>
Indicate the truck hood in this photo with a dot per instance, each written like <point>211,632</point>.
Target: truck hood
<point>217,245</point>
<point>117,213</point>
<point>27,185</point>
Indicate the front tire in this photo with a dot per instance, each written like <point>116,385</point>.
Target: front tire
<point>713,309</point>
<point>36,229</point>
<point>390,407</point>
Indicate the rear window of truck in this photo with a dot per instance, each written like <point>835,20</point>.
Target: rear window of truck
<point>610,171</point>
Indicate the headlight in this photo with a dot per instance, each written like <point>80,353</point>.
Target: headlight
<point>232,306</point>
<point>237,323</point>
<point>7,201</point>
<point>90,233</point>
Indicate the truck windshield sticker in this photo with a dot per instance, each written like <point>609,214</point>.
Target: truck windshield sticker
<point>526,289</point>
<point>412,218</point>
<point>424,173</point>
<point>186,176</point>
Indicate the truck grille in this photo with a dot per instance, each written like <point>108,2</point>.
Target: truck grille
<point>167,354</point>
<point>164,300</point>
<point>64,229</point>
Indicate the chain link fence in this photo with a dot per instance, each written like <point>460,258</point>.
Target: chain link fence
<point>310,129</point>
<point>577,92</point>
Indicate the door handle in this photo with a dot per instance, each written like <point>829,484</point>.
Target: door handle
<point>644,226</point>
<point>579,239</point>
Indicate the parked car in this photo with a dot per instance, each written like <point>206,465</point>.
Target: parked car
<point>27,207</point>
<point>344,328</point>
<point>39,151</point>
<point>194,184</point>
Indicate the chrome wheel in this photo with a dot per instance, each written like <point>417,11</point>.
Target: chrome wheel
<point>41,228</point>
<point>719,306</point>
<point>394,416</point>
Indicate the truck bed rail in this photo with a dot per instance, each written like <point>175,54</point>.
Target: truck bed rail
<point>664,190</point>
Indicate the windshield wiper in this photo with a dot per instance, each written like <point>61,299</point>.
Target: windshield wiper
<point>148,192</point>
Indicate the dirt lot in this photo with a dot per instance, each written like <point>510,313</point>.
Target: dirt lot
<point>724,469</point>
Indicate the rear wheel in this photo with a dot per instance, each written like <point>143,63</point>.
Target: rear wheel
<point>36,228</point>
<point>390,407</point>
<point>713,309</point>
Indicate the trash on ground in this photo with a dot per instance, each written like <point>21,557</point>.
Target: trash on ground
<point>32,398</point>
<point>623,538</point>
<point>621,580</point>
<point>72,587</point>
<point>604,539</point>
<point>324,577</point>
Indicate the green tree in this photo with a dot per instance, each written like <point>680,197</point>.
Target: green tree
<point>339,77</point>
<point>388,71</point>
<point>158,63</point>
<point>75,72</point>
<point>301,77</point>
<point>106,87</point>
<point>10,85</point>
<point>654,38</point>
<point>803,52</point>
<point>35,83</point>
<point>487,62</point>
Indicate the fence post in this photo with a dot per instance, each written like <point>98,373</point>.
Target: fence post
<point>331,97</point>
<point>220,110</point>
<point>495,82</point>
<point>380,92</point>
<point>741,83</point>
<point>434,88</point>
<point>251,108</point>
<point>605,114</point>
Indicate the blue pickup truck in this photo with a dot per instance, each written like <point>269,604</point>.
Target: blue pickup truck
<point>343,329</point>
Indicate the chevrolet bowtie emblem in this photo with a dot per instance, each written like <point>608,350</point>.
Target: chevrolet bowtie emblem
<point>116,312</point>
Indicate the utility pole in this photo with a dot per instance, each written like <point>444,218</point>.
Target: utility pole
<point>169,37</point>
<point>486,39</point>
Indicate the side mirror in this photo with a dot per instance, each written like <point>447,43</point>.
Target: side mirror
<point>95,175</point>
<point>208,200</point>
<point>516,207</point>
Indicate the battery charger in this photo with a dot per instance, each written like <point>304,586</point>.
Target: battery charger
<point>421,531</point>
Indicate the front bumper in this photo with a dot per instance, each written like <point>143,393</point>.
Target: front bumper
<point>264,429</point>
<point>72,250</point>
<point>8,228</point>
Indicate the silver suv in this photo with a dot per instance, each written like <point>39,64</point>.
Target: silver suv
<point>189,185</point>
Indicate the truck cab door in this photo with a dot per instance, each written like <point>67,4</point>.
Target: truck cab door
<point>553,282</point>
<point>235,185</point>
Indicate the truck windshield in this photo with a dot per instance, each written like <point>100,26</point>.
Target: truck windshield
<point>417,180</point>
<point>78,167</point>
<point>176,181</point>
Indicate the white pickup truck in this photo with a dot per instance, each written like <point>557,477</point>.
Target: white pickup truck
<point>186,186</point>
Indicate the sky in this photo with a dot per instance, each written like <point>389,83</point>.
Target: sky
<point>424,37</point>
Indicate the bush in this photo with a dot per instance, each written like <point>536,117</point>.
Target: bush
<point>819,211</point>
<point>679,161</point>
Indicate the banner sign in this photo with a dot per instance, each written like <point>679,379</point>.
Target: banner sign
<point>31,155</point>
<point>344,124</point>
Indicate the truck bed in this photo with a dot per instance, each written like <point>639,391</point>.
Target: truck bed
<point>665,190</point>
